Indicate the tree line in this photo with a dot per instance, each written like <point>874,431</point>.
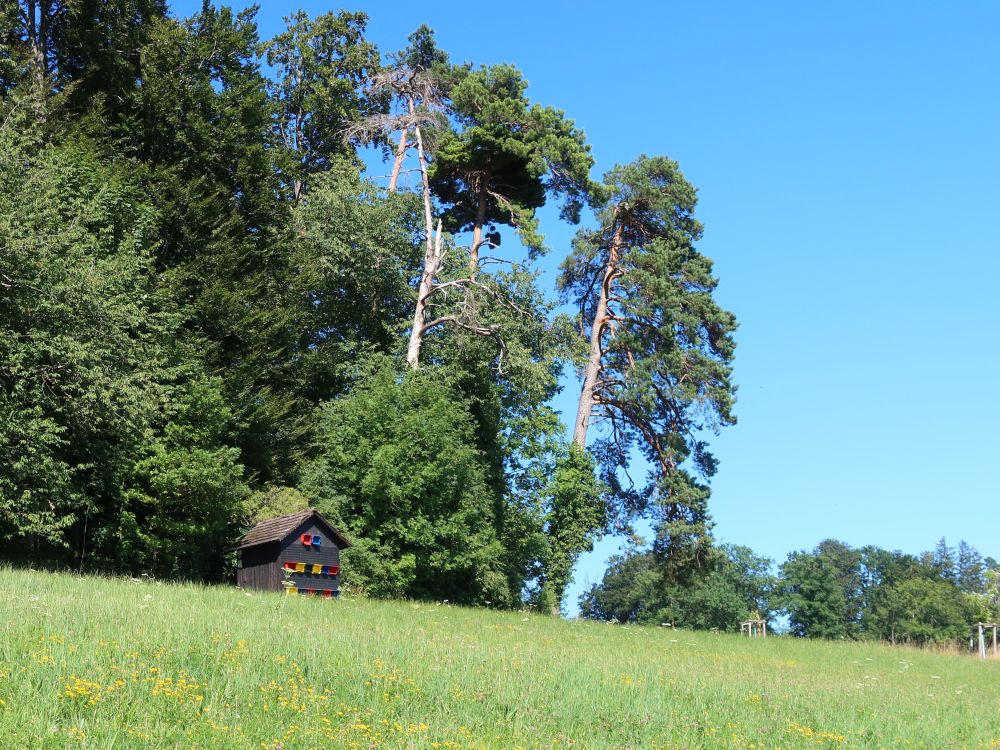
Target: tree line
<point>834,591</point>
<point>210,313</point>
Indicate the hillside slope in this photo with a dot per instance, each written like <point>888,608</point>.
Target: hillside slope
<point>93,663</point>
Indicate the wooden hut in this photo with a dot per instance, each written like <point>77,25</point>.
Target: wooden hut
<point>299,553</point>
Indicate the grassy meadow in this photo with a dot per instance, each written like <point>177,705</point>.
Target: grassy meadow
<point>95,663</point>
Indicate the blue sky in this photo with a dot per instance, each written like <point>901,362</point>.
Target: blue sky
<point>846,158</point>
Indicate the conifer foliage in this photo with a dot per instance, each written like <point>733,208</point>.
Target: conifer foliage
<point>658,368</point>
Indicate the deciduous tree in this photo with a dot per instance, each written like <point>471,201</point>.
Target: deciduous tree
<point>813,597</point>
<point>736,584</point>
<point>399,472</point>
<point>78,344</point>
<point>321,67</point>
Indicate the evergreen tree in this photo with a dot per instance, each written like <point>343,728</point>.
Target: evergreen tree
<point>969,569</point>
<point>97,48</point>
<point>417,83</point>
<point>207,142</point>
<point>506,157</point>
<point>29,51</point>
<point>659,364</point>
<point>943,561</point>
<point>171,373</point>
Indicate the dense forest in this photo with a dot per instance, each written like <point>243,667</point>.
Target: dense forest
<point>211,313</point>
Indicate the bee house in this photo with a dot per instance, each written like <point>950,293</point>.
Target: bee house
<point>298,553</point>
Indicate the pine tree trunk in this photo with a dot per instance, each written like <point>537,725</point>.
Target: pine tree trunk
<point>37,17</point>
<point>297,135</point>
<point>432,253</point>
<point>477,231</point>
<point>397,165</point>
<point>593,368</point>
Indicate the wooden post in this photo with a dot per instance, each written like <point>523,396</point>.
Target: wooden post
<point>982,642</point>
<point>994,639</point>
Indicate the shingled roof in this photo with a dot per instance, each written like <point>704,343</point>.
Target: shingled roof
<point>276,529</point>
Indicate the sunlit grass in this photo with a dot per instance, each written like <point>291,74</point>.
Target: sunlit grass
<point>105,664</point>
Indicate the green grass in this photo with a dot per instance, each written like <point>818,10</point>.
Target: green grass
<point>94,663</point>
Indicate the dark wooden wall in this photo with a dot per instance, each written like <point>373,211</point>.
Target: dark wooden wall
<point>259,568</point>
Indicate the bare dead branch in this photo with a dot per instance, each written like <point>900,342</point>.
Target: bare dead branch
<point>369,127</point>
<point>467,283</point>
<point>486,331</point>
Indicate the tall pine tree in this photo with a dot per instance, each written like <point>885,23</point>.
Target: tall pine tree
<point>658,370</point>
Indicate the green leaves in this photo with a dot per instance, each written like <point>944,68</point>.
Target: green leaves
<point>169,373</point>
<point>839,592</point>
<point>78,339</point>
<point>187,489</point>
<point>321,66</point>
<point>734,585</point>
<point>817,602</point>
<point>109,455</point>
<point>577,516</point>
<point>398,470</point>
<point>356,255</point>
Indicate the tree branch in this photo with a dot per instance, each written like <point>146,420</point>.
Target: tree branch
<point>487,331</point>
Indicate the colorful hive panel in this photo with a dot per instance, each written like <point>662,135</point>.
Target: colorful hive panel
<point>315,569</point>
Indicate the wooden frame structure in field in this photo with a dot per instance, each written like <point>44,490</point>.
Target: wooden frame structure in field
<point>298,552</point>
<point>980,629</point>
<point>754,628</point>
